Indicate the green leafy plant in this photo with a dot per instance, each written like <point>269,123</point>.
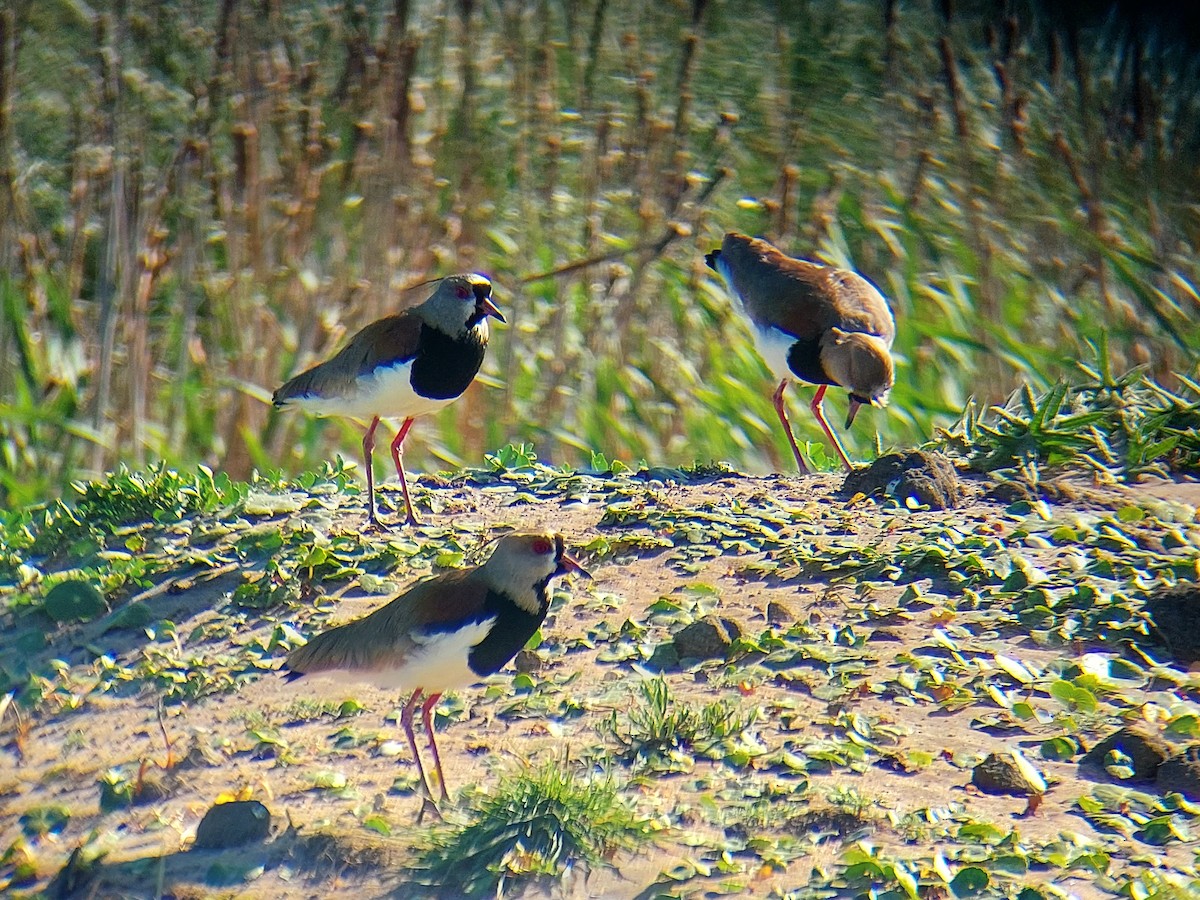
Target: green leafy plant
<point>1117,426</point>
<point>44,820</point>
<point>512,457</point>
<point>660,733</point>
<point>536,826</point>
<point>125,498</point>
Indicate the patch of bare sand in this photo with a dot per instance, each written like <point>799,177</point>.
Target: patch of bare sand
<point>64,755</point>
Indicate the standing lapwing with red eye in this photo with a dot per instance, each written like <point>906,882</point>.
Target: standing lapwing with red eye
<point>405,365</point>
<point>812,323</point>
<point>446,632</point>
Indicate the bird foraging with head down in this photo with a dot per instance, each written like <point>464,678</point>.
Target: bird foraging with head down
<point>813,323</point>
<point>445,632</point>
<point>405,365</point>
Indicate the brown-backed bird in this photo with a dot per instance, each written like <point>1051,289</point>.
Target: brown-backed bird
<point>811,323</point>
<point>405,365</point>
<point>445,632</point>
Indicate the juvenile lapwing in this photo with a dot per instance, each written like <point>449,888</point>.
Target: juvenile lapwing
<point>812,323</point>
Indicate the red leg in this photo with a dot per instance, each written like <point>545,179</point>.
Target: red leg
<point>787,427</point>
<point>397,452</point>
<point>368,444</point>
<point>406,717</point>
<point>817,411</point>
<point>427,717</point>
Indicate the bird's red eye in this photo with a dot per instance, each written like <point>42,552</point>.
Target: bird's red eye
<point>462,292</point>
<point>541,545</point>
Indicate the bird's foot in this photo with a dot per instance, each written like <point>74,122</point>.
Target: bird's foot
<point>800,463</point>
<point>374,526</point>
<point>428,806</point>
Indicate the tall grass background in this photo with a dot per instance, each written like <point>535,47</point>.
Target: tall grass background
<point>197,199</point>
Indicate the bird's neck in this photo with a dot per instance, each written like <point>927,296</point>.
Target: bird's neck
<point>533,600</point>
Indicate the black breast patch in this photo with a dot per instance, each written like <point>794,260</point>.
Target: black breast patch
<point>444,366</point>
<point>511,631</point>
<point>804,359</point>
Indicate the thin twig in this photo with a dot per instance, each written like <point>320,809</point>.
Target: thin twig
<point>673,232</point>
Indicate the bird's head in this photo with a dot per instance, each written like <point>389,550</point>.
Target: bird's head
<point>862,364</point>
<point>460,303</point>
<point>524,563</point>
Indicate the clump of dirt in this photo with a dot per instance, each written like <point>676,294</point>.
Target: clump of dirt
<point>233,824</point>
<point>839,823</point>
<point>1146,751</point>
<point>1175,614</point>
<point>527,661</point>
<point>1002,773</point>
<point>347,854</point>
<point>928,476</point>
<point>1010,491</point>
<point>1181,774</point>
<point>780,613</point>
<point>708,638</point>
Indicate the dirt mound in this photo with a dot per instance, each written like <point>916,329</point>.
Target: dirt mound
<point>926,476</point>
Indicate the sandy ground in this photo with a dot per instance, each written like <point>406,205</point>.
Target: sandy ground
<point>58,755</point>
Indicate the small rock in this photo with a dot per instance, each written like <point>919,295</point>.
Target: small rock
<point>928,476</point>
<point>527,661</point>
<point>708,638</point>
<point>1146,750</point>
<point>1181,774</point>
<point>780,613</point>
<point>1176,616</point>
<point>233,824</point>
<point>1008,773</point>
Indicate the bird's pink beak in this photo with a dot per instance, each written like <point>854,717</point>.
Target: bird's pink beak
<point>567,564</point>
<point>855,403</point>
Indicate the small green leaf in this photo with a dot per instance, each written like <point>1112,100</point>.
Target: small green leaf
<point>523,682</point>
<point>1059,748</point>
<point>1162,830</point>
<point>349,708</point>
<point>1013,668</point>
<point>1131,514</point>
<point>970,881</point>
<point>330,781</point>
<point>379,824</point>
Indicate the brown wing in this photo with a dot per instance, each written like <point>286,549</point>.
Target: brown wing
<point>385,637</point>
<point>385,341</point>
<point>859,306</point>
<point>803,298</point>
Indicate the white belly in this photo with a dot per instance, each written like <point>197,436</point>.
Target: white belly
<point>437,663</point>
<point>773,346</point>
<point>771,343</point>
<point>386,392</point>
